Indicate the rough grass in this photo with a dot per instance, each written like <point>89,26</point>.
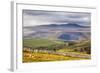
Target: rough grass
<point>42,57</point>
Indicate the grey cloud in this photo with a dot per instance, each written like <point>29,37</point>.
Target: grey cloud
<point>31,17</point>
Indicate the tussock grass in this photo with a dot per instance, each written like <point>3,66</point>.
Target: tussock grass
<point>42,57</point>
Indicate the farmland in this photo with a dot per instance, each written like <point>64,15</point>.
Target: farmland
<point>40,50</point>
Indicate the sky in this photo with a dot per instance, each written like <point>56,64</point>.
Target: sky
<point>37,17</point>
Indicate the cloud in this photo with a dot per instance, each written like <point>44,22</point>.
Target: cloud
<point>36,17</point>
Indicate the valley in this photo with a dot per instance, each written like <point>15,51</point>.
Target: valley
<point>56,42</point>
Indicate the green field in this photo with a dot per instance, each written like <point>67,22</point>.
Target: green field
<point>40,42</point>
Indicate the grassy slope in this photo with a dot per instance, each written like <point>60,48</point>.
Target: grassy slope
<point>40,42</point>
<point>65,50</point>
<point>42,57</point>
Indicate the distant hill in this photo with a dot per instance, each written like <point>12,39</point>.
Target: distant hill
<point>69,25</point>
<point>70,31</point>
